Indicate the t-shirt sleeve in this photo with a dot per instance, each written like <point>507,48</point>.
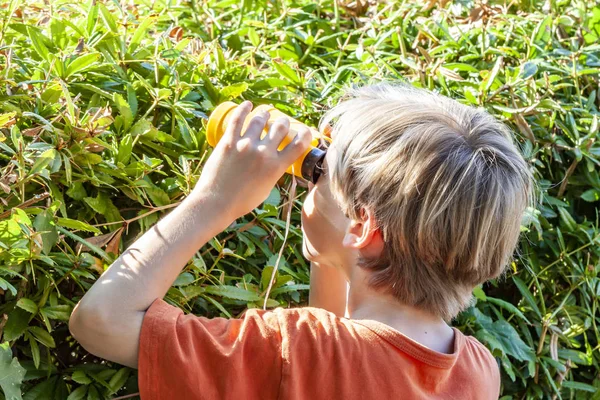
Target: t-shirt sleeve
<point>188,357</point>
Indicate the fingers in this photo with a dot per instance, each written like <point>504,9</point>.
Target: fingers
<point>256,126</point>
<point>297,147</point>
<point>234,127</point>
<point>279,130</point>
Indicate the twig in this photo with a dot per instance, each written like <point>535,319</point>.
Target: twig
<point>127,396</point>
<point>35,199</point>
<point>154,209</point>
<point>3,320</point>
<point>540,348</point>
<point>287,230</point>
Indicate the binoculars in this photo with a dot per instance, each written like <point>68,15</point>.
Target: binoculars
<point>308,166</point>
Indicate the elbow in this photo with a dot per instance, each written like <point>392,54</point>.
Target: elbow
<point>87,325</point>
<point>76,322</point>
<point>107,334</point>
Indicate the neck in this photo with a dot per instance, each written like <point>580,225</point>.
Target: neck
<point>421,326</point>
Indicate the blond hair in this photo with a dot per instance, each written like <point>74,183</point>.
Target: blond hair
<point>446,184</point>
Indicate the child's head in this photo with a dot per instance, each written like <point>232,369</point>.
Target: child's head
<point>424,193</point>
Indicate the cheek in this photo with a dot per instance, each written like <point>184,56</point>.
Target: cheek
<point>323,232</point>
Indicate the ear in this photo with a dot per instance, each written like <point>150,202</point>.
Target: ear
<point>363,235</point>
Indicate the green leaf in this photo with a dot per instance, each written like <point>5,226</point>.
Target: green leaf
<point>43,390</point>
<point>274,197</point>
<point>108,18</point>
<point>479,293</point>
<point>508,307</point>
<point>125,148</point>
<point>79,393</point>
<point>77,225</point>
<point>591,195</point>
<point>93,393</point>
<point>81,63</point>
<point>542,32</point>
<point>60,312</point>
<point>118,380</point>
<point>580,386</point>
<point>489,81</point>
<point>18,320</point>
<point>576,357</point>
<point>287,72</point>
<point>38,43</point>
<point>6,117</point>
<point>35,351</point>
<point>69,102</point>
<point>142,127</point>
<point>124,111</point>
<point>132,99</point>
<point>140,33</point>
<point>21,217</point>
<point>42,336</point>
<point>265,277</point>
<point>232,292</point>
<point>92,17</point>
<point>527,295</point>
<point>81,377</point>
<point>567,219</point>
<point>289,288</point>
<point>43,160</point>
<point>192,291</point>
<point>44,223</point>
<point>218,305</point>
<point>102,204</point>
<point>502,336</point>
<point>528,70</point>
<point>5,285</point>
<point>11,373</point>
<point>10,231</point>
<point>94,248</point>
<point>77,191</point>
<point>27,305</point>
<point>233,91</point>
<point>158,196</point>
<point>184,131</point>
<point>184,279</point>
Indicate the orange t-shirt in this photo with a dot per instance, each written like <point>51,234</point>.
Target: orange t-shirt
<point>305,354</point>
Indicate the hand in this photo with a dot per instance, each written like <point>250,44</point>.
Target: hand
<point>242,170</point>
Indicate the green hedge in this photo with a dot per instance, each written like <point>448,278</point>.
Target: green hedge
<point>102,131</point>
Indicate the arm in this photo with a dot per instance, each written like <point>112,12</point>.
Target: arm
<point>108,319</point>
<point>328,289</point>
<point>238,176</point>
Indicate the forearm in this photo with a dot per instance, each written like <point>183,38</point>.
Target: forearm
<point>148,268</point>
<point>328,289</point>
<point>144,272</point>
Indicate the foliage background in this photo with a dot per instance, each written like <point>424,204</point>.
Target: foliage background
<point>102,106</point>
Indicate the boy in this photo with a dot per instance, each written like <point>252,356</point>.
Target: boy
<point>420,201</point>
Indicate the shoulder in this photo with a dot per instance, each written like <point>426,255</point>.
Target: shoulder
<point>308,318</point>
<point>475,354</point>
<point>278,319</point>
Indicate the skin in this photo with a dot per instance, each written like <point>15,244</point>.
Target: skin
<point>333,242</point>
<point>237,177</point>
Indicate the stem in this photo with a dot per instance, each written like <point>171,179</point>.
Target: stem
<point>287,231</point>
<point>35,199</point>
<point>568,255</point>
<point>3,320</point>
<point>127,396</point>
<point>154,209</point>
